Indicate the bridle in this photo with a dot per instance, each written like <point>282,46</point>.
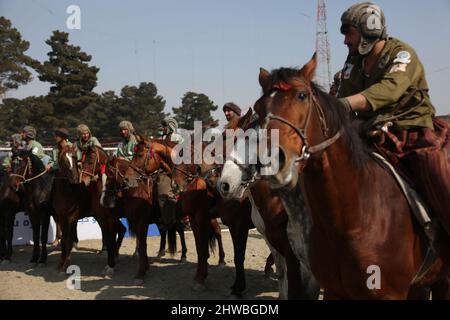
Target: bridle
<point>26,171</point>
<point>307,149</point>
<point>94,169</point>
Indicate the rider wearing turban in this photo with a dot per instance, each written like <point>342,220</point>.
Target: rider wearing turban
<point>125,149</point>
<point>169,128</point>
<point>85,140</point>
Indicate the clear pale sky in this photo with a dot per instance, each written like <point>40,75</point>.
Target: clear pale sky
<point>217,47</point>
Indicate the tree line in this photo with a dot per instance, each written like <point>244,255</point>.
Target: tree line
<point>71,99</point>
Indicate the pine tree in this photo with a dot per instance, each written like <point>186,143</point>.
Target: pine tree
<point>72,79</point>
<point>194,107</point>
<point>13,60</point>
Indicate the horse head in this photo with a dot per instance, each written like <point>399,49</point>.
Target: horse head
<point>113,182</point>
<point>290,104</point>
<point>93,165</point>
<point>67,161</point>
<point>25,166</point>
<point>240,168</point>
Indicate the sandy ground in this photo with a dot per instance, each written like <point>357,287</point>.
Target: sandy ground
<point>166,278</point>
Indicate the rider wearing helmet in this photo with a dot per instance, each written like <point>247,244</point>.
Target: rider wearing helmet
<point>383,82</point>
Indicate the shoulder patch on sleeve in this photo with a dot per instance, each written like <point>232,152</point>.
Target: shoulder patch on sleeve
<point>403,57</point>
<point>35,150</point>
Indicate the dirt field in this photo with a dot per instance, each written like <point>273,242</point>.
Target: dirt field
<point>166,279</point>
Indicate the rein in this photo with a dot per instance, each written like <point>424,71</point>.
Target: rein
<point>28,170</point>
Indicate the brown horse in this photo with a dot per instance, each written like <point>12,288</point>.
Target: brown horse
<point>77,195</point>
<point>365,241</point>
<point>238,180</point>
<point>197,201</point>
<point>113,196</point>
<point>139,194</point>
<point>197,184</point>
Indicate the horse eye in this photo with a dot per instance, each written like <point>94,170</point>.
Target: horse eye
<point>302,95</point>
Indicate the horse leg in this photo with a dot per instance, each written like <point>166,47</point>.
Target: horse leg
<point>162,241</point>
<point>3,229</point>
<point>36,226</point>
<point>143,258</point>
<point>45,223</point>
<point>180,229</point>
<point>9,232</point>
<point>67,235</point>
<point>120,235</point>
<point>107,225</point>
<point>268,271</point>
<point>58,231</point>
<point>239,235</point>
<point>441,290</point>
<point>218,235</point>
<point>200,228</point>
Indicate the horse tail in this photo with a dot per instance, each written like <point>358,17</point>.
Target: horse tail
<point>172,240</point>
<point>212,237</point>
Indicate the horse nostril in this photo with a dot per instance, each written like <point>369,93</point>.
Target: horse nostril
<point>281,158</point>
<point>225,187</point>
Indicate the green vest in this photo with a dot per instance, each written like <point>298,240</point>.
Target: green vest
<point>394,75</point>
<point>84,146</point>
<point>126,148</point>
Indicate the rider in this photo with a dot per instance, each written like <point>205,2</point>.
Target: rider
<point>232,111</point>
<point>383,82</point>
<point>85,140</point>
<point>16,144</point>
<point>61,136</point>
<point>29,136</point>
<point>166,197</point>
<point>125,149</point>
<point>169,130</point>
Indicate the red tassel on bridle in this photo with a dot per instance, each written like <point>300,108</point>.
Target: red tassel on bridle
<point>283,86</point>
<point>102,168</point>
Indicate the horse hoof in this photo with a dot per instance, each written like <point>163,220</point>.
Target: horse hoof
<point>41,264</point>
<point>269,273</point>
<point>161,254</point>
<point>108,272</point>
<point>139,282</point>
<point>183,260</point>
<point>222,264</point>
<point>199,287</point>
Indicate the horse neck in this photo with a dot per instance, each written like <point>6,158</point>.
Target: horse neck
<point>335,186</point>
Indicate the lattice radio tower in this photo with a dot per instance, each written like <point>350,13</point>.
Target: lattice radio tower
<point>323,71</point>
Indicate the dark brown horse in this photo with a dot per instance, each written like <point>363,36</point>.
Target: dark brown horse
<point>10,204</point>
<point>138,194</point>
<point>30,176</point>
<point>365,241</point>
<point>77,195</point>
<point>200,198</point>
<point>113,196</point>
<point>284,236</point>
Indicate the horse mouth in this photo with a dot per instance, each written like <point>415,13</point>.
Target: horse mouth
<point>286,178</point>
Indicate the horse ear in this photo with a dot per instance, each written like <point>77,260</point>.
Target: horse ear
<point>264,79</point>
<point>309,69</point>
<point>243,121</point>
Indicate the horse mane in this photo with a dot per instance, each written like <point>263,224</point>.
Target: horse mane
<point>336,117</point>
